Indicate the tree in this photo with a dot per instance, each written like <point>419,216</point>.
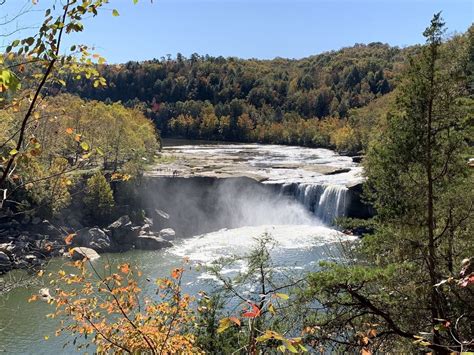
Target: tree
<point>419,183</point>
<point>99,198</point>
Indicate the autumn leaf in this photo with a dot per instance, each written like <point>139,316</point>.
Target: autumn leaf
<point>69,130</point>
<point>33,298</point>
<point>125,268</point>
<point>84,145</point>
<point>224,324</point>
<point>176,273</point>
<point>283,296</point>
<point>235,320</point>
<point>252,312</point>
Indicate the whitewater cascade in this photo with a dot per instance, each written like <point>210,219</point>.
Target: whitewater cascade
<point>326,201</point>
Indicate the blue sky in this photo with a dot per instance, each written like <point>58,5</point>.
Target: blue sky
<point>257,28</point>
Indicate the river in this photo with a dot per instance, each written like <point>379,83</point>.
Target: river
<point>311,187</point>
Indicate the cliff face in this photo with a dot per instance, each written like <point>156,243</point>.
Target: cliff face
<point>202,204</point>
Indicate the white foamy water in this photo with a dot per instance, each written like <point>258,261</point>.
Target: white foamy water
<point>278,164</point>
<point>228,242</point>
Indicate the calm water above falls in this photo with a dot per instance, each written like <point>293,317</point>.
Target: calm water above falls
<point>301,243</point>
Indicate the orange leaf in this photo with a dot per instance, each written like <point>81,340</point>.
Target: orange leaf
<point>69,130</point>
<point>125,268</point>
<point>252,312</point>
<point>235,320</point>
<point>176,273</point>
<point>33,298</point>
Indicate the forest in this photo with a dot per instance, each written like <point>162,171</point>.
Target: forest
<point>304,102</point>
<point>80,141</point>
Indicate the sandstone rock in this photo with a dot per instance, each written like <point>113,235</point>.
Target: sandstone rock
<point>80,253</point>
<point>151,242</point>
<point>93,238</point>
<point>5,262</point>
<point>167,234</point>
<point>45,295</point>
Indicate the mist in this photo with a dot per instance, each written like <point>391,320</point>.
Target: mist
<point>200,205</point>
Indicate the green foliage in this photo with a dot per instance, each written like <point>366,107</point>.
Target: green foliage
<point>421,187</point>
<point>251,100</point>
<point>250,311</point>
<point>99,198</point>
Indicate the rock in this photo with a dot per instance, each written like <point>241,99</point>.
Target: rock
<point>338,171</point>
<point>45,227</point>
<point>45,295</point>
<point>94,238</point>
<point>146,228</point>
<point>6,247</point>
<point>119,223</point>
<point>167,234</point>
<point>123,232</point>
<point>5,262</point>
<point>358,158</point>
<point>73,223</point>
<point>80,253</point>
<point>32,259</point>
<point>37,220</point>
<point>151,242</point>
<point>26,220</point>
<point>148,221</point>
<point>162,214</point>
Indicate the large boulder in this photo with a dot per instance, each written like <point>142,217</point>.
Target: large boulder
<point>5,262</point>
<point>94,238</point>
<point>123,231</point>
<point>167,234</point>
<point>151,242</point>
<point>81,253</point>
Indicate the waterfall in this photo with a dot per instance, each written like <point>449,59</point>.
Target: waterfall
<point>327,202</point>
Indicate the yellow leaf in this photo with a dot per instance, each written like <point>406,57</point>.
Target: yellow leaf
<point>224,323</point>
<point>283,296</point>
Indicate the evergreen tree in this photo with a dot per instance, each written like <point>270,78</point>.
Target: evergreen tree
<point>99,198</point>
<point>421,187</point>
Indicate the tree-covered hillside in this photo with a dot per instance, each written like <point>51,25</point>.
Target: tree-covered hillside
<point>253,100</point>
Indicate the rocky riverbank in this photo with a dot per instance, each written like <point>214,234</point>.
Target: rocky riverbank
<point>29,243</point>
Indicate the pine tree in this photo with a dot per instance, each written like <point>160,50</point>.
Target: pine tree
<point>421,187</point>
